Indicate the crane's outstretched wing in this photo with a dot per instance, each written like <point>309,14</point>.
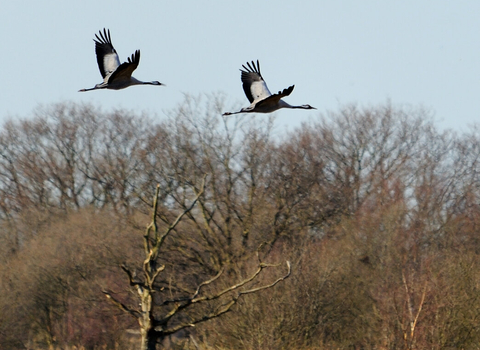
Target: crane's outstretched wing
<point>253,84</point>
<point>275,98</point>
<point>107,57</point>
<point>125,70</point>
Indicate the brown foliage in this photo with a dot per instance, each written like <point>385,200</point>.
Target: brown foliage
<point>375,207</point>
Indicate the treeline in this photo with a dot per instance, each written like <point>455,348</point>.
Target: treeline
<point>376,208</point>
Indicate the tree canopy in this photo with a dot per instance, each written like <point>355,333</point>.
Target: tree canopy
<point>375,208</point>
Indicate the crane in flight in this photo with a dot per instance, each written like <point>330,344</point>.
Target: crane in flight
<point>116,76</point>
<point>261,99</point>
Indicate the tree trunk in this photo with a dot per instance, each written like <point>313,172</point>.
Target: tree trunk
<point>147,330</point>
<point>149,339</point>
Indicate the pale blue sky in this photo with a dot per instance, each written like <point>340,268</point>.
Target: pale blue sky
<point>417,53</point>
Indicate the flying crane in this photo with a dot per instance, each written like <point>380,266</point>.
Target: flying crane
<point>116,76</point>
<point>261,99</point>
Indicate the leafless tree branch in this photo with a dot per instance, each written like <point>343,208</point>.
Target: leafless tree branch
<point>121,305</point>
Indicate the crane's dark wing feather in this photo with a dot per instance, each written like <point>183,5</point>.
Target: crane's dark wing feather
<point>273,99</point>
<point>106,54</point>
<point>125,70</point>
<point>254,86</point>
<point>249,76</point>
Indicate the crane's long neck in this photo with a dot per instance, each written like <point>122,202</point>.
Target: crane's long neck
<point>139,82</point>
<point>283,104</point>
<point>152,83</point>
<point>301,107</point>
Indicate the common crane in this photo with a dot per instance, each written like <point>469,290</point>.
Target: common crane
<point>116,76</point>
<point>261,99</point>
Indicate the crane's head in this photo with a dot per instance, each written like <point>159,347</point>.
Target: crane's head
<point>307,107</point>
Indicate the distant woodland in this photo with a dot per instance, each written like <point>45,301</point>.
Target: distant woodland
<point>375,208</point>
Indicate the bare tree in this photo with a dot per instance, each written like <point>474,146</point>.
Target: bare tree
<point>155,313</point>
<point>377,209</point>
